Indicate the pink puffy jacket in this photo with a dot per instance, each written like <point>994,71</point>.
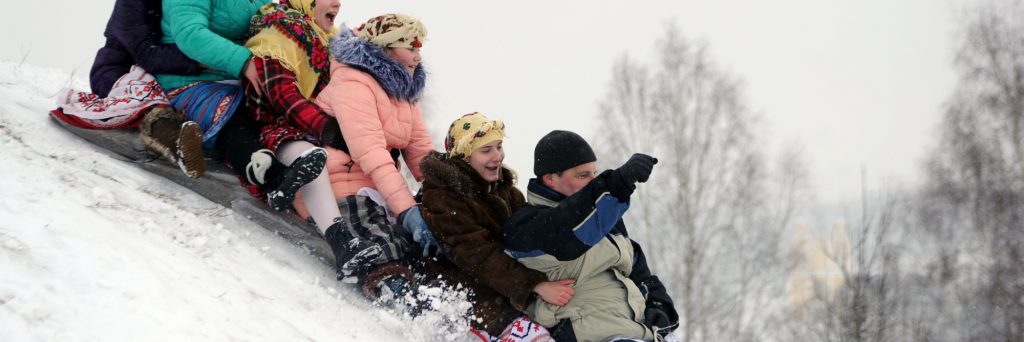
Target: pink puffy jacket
<point>372,124</point>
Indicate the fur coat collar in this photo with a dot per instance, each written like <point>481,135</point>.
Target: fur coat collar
<point>440,171</point>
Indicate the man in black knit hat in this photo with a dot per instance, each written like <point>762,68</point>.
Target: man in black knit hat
<point>572,229</point>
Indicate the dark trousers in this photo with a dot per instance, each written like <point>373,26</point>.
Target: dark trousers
<point>238,139</point>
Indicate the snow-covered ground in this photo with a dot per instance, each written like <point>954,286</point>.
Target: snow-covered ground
<point>92,248</point>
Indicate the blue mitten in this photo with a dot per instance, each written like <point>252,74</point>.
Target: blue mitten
<point>413,222</point>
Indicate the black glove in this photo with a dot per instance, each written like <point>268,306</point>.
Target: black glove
<point>655,315</point>
<point>638,168</point>
<point>331,136</point>
<point>622,181</point>
<point>619,187</point>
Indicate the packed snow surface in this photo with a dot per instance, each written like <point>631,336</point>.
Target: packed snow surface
<point>93,248</point>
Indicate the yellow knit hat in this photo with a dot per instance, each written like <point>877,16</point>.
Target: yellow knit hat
<point>470,132</point>
<point>393,30</point>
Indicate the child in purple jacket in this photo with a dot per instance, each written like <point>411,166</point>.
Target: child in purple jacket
<point>124,96</point>
<point>133,38</point>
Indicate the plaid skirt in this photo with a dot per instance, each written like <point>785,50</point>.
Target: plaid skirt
<point>371,240</point>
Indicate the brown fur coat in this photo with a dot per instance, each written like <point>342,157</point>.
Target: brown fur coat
<point>466,215</point>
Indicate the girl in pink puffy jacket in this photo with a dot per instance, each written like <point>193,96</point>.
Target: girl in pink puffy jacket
<point>376,81</point>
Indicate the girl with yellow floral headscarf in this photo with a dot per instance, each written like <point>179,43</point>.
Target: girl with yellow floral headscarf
<point>289,46</point>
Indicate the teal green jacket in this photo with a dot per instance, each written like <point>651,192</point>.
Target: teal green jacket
<point>212,32</point>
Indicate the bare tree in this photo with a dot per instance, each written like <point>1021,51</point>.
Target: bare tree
<point>973,200</point>
<point>713,214</point>
<point>865,305</point>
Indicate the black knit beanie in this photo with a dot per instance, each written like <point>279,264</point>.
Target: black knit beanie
<point>559,151</point>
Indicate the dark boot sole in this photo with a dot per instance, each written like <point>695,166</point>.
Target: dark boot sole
<point>301,172</point>
<point>190,150</point>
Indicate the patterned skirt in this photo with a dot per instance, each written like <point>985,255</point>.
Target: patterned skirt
<point>131,96</point>
<point>210,104</point>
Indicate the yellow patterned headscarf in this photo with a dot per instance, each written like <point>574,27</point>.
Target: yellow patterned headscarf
<point>470,132</point>
<point>286,32</point>
<point>304,6</point>
<point>394,31</point>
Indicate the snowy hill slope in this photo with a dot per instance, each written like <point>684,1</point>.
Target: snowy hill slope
<point>92,248</point>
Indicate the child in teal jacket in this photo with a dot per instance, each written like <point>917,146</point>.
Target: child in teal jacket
<point>212,32</point>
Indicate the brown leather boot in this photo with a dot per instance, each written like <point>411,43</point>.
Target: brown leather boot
<point>180,142</point>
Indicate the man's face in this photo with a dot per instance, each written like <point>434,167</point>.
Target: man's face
<point>572,180</point>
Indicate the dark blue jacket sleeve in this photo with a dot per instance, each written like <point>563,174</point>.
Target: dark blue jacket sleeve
<point>568,230</point>
<point>136,25</point>
<point>657,294</point>
<point>112,61</point>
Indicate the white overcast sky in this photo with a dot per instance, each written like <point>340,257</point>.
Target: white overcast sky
<point>855,83</point>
